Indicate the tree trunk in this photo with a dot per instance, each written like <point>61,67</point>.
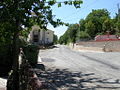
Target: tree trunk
<point>13,83</point>
<point>15,62</point>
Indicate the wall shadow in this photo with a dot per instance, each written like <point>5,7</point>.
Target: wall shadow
<point>65,80</point>
<point>47,47</point>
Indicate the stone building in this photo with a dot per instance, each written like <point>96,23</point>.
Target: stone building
<point>40,37</point>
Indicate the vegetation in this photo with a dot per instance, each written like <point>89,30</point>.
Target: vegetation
<point>55,39</point>
<point>31,53</point>
<point>15,15</point>
<point>97,22</point>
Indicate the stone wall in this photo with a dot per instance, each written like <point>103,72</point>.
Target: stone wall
<point>108,46</point>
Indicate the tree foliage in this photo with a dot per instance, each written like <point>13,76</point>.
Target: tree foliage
<point>55,39</point>
<point>15,15</point>
<point>90,28</point>
<point>97,17</point>
<point>83,35</point>
<point>70,34</point>
<point>97,22</point>
<point>117,24</point>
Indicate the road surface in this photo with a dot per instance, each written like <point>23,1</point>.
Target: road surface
<point>67,69</point>
<point>3,82</point>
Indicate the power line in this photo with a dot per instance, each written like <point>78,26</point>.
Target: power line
<point>80,9</point>
<point>84,9</point>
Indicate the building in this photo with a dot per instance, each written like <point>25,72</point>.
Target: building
<point>106,37</point>
<point>40,37</point>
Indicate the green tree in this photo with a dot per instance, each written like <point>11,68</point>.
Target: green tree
<point>65,38</point>
<point>118,28</point>
<point>82,25</point>
<point>26,13</point>
<point>83,35</point>
<point>72,32</point>
<point>70,35</point>
<point>107,25</point>
<point>98,22</point>
<point>117,24</point>
<point>90,29</point>
<point>97,17</point>
<point>81,28</point>
<point>55,39</point>
<point>61,40</point>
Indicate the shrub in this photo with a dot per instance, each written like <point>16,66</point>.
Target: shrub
<point>31,53</point>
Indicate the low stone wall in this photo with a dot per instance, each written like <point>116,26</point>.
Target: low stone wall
<point>87,48</point>
<point>107,46</point>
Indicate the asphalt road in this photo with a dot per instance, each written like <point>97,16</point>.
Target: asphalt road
<point>3,82</point>
<point>67,69</point>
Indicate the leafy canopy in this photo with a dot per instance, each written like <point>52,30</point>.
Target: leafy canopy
<point>97,22</point>
<point>29,12</point>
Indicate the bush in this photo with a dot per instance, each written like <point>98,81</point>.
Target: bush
<point>31,53</point>
<point>5,59</point>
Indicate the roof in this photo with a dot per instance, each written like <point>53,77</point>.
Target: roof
<point>36,27</point>
<point>106,37</point>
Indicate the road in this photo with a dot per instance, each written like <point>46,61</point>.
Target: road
<point>3,82</point>
<point>67,69</point>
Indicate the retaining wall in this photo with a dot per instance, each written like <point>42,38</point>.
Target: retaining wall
<point>108,46</point>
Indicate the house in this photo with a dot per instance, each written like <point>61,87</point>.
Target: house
<point>106,37</point>
<point>40,37</point>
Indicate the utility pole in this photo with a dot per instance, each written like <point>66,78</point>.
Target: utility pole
<point>118,11</point>
<point>118,28</point>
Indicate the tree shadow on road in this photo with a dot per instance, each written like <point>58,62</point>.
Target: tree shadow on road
<point>64,80</point>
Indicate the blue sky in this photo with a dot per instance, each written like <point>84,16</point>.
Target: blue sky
<point>70,14</point>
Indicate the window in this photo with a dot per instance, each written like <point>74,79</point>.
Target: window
<point>35,38</point>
